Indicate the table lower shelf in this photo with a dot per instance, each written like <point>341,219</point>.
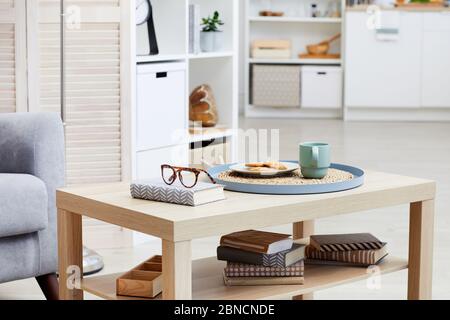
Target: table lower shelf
<point>208,283</point>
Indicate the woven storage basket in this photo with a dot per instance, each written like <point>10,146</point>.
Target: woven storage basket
<point>276,86</point>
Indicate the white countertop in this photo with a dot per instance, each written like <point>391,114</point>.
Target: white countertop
<point>404,8</point>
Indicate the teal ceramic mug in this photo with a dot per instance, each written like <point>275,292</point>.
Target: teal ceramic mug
<point>315,159</point>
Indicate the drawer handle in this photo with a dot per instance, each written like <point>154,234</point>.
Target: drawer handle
<point>161,75</point>
<point>322,73</point>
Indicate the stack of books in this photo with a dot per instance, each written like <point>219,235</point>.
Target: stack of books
<point>361,249</point>
<point>261,258</point>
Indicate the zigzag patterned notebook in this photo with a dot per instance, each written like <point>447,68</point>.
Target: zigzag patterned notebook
<point>159,191</point>
<point>281,259</point>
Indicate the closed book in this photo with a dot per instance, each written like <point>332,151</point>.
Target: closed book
<point>258,241</point>
<point>356,257</point>
<point>159,191</point>
<point>337,263</point>
<point>262,281</point>
<point>248,270</point>
<point>281,259</point>
<point>191,28</point>
<point>194,28</point>
<point>346,242</point>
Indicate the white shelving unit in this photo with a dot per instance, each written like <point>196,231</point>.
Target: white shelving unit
<point>160,58</point>
<point>217,69</point>
<point>207,55</point>
<point>301,29</point>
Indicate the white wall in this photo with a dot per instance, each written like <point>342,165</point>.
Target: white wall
<point>242,66</point>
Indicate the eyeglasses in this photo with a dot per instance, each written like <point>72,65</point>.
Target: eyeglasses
<point>188,176</point>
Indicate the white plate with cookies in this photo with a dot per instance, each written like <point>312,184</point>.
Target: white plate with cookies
<point>266,169</point>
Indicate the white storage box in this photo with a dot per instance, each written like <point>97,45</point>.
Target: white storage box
<point>276,86</point>
<point>321,87</point>
<point>161,105</point>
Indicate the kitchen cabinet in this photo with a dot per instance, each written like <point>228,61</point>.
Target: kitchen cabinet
<point>383,73</point>
<point>315,81</point>
<point>436,60</point>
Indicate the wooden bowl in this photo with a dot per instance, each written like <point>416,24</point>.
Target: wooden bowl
<point>266,13</point>
<point>318,48</point>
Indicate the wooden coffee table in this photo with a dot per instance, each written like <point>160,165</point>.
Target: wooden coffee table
<point>177,226</point>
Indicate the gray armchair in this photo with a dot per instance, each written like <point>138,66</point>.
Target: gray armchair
<point>31,168</point>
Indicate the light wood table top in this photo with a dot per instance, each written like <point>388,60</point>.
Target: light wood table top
<point>112,203</point>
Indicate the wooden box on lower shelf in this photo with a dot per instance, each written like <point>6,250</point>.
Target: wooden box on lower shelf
<point>144,281</point>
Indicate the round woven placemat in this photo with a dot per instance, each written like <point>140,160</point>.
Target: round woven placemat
<point>294,178</point>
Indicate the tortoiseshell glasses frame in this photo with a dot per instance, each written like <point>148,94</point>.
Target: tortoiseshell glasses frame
<point>171,173</point>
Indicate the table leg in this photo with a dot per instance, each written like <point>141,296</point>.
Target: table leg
<point>421,233</point>
<point>302,230</point>
<point>70,255</point>
<point>177,270</point>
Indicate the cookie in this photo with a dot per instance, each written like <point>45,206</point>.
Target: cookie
<point>255,165</point>
<point>275,165</point>
<point>260,169</point>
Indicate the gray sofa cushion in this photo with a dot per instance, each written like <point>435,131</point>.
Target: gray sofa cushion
<point>23,204</point>
<point>19,257</point>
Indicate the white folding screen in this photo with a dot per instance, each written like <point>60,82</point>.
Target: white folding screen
<point>93,82</point>
<point>13,92</point>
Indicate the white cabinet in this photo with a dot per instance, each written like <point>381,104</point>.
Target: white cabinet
<point>436,60</point>
<point>161,105</point>
<point>382,73</point>
<point>321,87</point>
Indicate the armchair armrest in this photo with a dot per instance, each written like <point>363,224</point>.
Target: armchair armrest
<point>33,143</point>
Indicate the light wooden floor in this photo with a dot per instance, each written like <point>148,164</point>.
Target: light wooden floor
<point>416,149</point>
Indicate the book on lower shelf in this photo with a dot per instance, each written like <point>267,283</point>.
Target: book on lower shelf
<point>262,281</point>
<point>258,241</point>
<point>156,190</point>
<point>345,242</point>
<point>194,28</point>
<point>361,258</point>
<point>281,259</point>
<point>249,270</point>
<point>257,258</point>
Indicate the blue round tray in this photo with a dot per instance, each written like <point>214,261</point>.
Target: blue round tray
<point>291,189</point>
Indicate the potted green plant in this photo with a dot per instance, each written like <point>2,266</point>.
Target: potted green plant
<point>211,38</point>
